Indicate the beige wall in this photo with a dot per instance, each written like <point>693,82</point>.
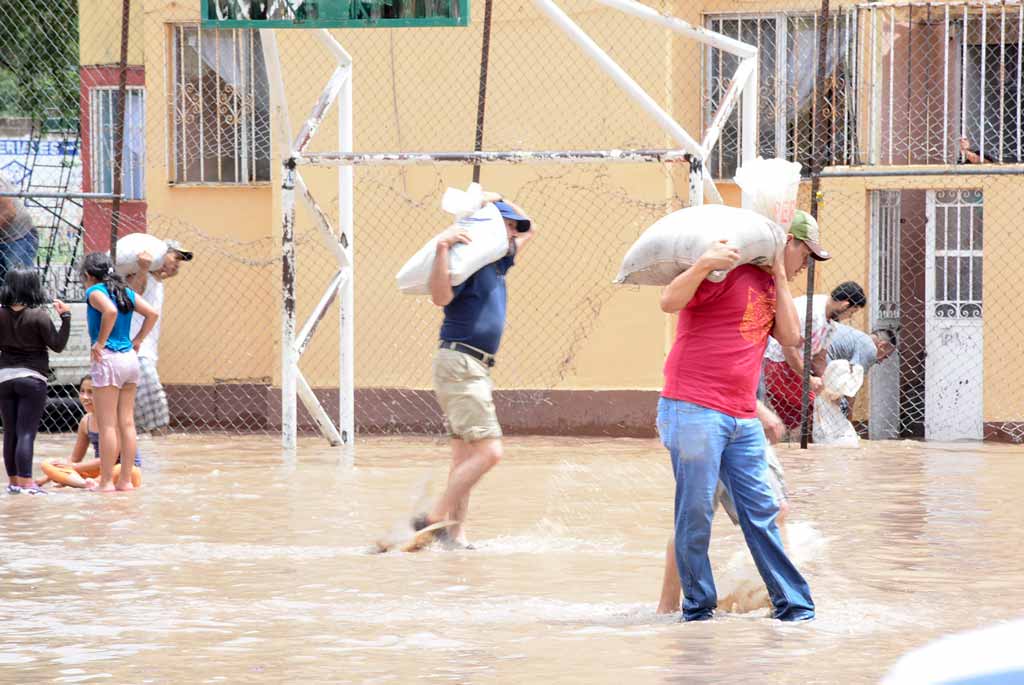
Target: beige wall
<point>846,216</point>
<point>568,327</point>
<point>99,32</point>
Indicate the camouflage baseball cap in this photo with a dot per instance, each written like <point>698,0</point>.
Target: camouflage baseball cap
<point>805,228</point>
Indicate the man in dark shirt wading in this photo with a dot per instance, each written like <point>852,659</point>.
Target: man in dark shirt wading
<point>474,319</point>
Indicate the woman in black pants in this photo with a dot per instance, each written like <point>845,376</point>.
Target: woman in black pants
<point>25,333</point>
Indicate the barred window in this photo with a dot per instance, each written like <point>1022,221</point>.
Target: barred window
<point>220,107</point>
<point>993,111</point>
<point>788,87</point>
<point>102,106</point>
<point>958,263</point>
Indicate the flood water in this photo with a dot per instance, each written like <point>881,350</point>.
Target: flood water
<point>235,564</point>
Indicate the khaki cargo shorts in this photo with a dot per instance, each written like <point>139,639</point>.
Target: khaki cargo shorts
<point>463,386</point>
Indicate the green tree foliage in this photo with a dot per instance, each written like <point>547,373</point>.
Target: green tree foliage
<point>39,58</point>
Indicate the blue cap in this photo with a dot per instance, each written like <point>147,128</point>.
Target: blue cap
<point>508,212</point>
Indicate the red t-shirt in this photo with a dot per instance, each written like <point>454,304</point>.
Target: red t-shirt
<point>716,359</point>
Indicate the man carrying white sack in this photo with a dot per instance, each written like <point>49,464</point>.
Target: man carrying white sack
<point>707,415</point>
<point>151,410</point>
<point>474,320</point>
<point>860,349</point>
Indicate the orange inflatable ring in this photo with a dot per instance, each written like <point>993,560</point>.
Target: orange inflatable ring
<point>63,474</point>
<point>67,475</point>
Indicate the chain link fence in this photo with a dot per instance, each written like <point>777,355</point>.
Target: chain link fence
<point>903,85</point>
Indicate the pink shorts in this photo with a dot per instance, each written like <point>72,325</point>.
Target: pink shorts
<point>117,369</point>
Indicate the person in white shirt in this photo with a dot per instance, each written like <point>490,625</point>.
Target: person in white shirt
<point>784,366</point>
<point>151,411</point>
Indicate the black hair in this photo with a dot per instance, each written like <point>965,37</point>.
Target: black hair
<point>888,334</point>
<point>99,266</point>
<point>22,286</point>
<point>850,292</point>
<point>83,379</point>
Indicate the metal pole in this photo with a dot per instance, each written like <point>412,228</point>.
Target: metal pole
<point>816,165</point>
<point>959,170</point>
<point>289,357</point>
<point>632,89</point>
<point>698,33</point>
<point>346,303</point>
<point>749,131</point>
<point>119,117</point>
<point>38,195</point>
<point>696,181</point>
<point>660,155</point>
<point>481,103</point>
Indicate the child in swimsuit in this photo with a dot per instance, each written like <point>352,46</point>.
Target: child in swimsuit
<point>87,435</point>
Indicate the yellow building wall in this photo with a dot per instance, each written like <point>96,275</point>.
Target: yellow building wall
<point>99,32</point>
<point>845,221</point>
<point>623,338</point>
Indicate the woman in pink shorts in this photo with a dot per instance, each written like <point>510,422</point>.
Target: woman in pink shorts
<point>115,364</point>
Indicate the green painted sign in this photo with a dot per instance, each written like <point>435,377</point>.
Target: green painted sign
<point>304,14</point>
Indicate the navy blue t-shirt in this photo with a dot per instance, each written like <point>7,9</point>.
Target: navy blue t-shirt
<point>476,315</point>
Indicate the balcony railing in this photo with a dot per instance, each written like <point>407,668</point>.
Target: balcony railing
<point>941,82</point>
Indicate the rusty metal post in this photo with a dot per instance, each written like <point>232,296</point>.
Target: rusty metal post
<point>283,137</point>
<point>289,358</point>
<point>119,117</point>
<point>481,104</point>
<point>817,162</point>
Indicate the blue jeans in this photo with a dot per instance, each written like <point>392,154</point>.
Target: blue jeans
<point>18,253</point>
<point>707,445</point>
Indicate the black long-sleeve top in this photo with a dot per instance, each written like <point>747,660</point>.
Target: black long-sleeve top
<point>25,336</point>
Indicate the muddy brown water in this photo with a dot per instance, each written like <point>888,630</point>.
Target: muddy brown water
<point>237,564</point>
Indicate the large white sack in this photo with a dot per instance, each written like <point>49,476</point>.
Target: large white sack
<point>842,379</point>
<point>673,243</point>
<point>490,243</point>
<point>132,245</point>
<point>462,203</point>
<point>772,186</point>
<point>831,427</point>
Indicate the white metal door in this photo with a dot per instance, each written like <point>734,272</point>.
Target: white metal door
<point>884,410</point>
<point>953,316</point>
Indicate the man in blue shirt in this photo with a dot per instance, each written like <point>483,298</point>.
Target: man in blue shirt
<point>857,347</point>
<point>474,319</point>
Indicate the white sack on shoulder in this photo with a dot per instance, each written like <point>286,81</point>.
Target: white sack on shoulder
<point>490,243</point>
<point>130,246</point>
<point>462,203</point>
<point>673,244</point>
<point>772,186</point>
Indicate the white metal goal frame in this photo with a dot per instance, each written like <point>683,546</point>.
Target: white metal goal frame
<point>339,241</point>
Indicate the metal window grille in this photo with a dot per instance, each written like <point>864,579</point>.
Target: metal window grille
<point>936,73</point>
<point>220,105</point>
<point>102,106</point>
<point>958,253</point>
<point>789,89</point>
<point>886,272</point>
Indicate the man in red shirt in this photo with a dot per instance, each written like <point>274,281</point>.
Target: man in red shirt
<point>707,416</point>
